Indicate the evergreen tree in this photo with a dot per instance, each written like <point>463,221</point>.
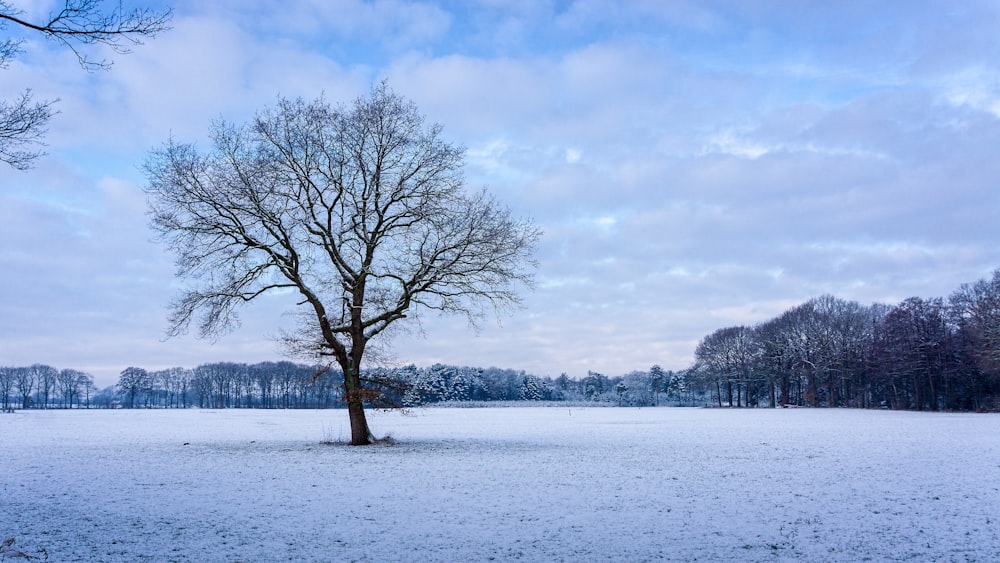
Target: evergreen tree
<point>657,379</point>
<point>622,391</point>
<point>531,390</point>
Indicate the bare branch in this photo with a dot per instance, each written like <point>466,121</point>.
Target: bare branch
<point>83,22</point>
<point>78,23</point>
<point>22,126</point>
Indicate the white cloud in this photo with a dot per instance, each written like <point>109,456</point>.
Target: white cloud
<point>605,223</point>
<point>731,143</point>
<point>977,87</point>
<point>488,156</point>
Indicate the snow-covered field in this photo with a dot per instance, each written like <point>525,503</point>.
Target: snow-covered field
<point>538,484</point>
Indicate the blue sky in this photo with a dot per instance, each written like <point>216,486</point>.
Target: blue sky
<point>694,165</point>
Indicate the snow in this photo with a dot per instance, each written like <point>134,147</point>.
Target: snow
<point>537,484</point>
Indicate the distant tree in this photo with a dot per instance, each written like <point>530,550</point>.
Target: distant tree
<point>919,354</point>
<point>427,385</point>
<point>86,387</point>
<point>412,397</point>
<point>840,332</point>
<point>440,377</point>
<point>131,383</point>
<point>24,380</point>
<point>45,382</point>
<point>265,375</point>
<point>621,389</point>
<point>640,390</point>
<point>460,386</point>
<point>479,388</point>
<point>217,381</point>
<point>563,382</point>
<point>781,344</point>
<point>69,382</point>
<point>361,210</point>
<point>201,383</point>
<point>914,348</point>
<point>159,387</point>
<point>728,356</point>
<point>75,24</point>
<point>104,398</point>
<point>594,385</point>
<point>657,382</point>
<point>676,384</point>
<point>974,310</point>
<point>6,386</point>
<point>181,379</point>
<point>531,389</point>
<point>508,386</point>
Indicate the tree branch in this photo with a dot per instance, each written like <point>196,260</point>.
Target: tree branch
<point>81,22</point>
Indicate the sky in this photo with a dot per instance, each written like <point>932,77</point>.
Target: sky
<point>693,165</point>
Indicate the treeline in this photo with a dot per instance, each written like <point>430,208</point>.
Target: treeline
<point>266,385</point>
<point>921,354</point>
<point>44,387</point>
<point>288,385</point>
<point>442,383</point>
<point>216,385</point>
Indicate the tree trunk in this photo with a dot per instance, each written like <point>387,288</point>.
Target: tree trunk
<point>933,392</point>
<point>812,395</point>
<point>360,434</point>
<point>354,395</point>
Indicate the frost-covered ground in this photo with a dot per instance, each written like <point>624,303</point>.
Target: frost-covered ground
<point>539,484</point>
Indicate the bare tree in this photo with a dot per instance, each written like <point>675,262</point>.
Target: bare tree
<point>361,210</point>
<point>24,380</point>
<point>729,355</point>
<point>131,383</point>
<point>6,386</point>
<point>76,24</point>
<point>975,308</point>
<point>45,380</point>
<point>70,382</point>
<point>86,386</point>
